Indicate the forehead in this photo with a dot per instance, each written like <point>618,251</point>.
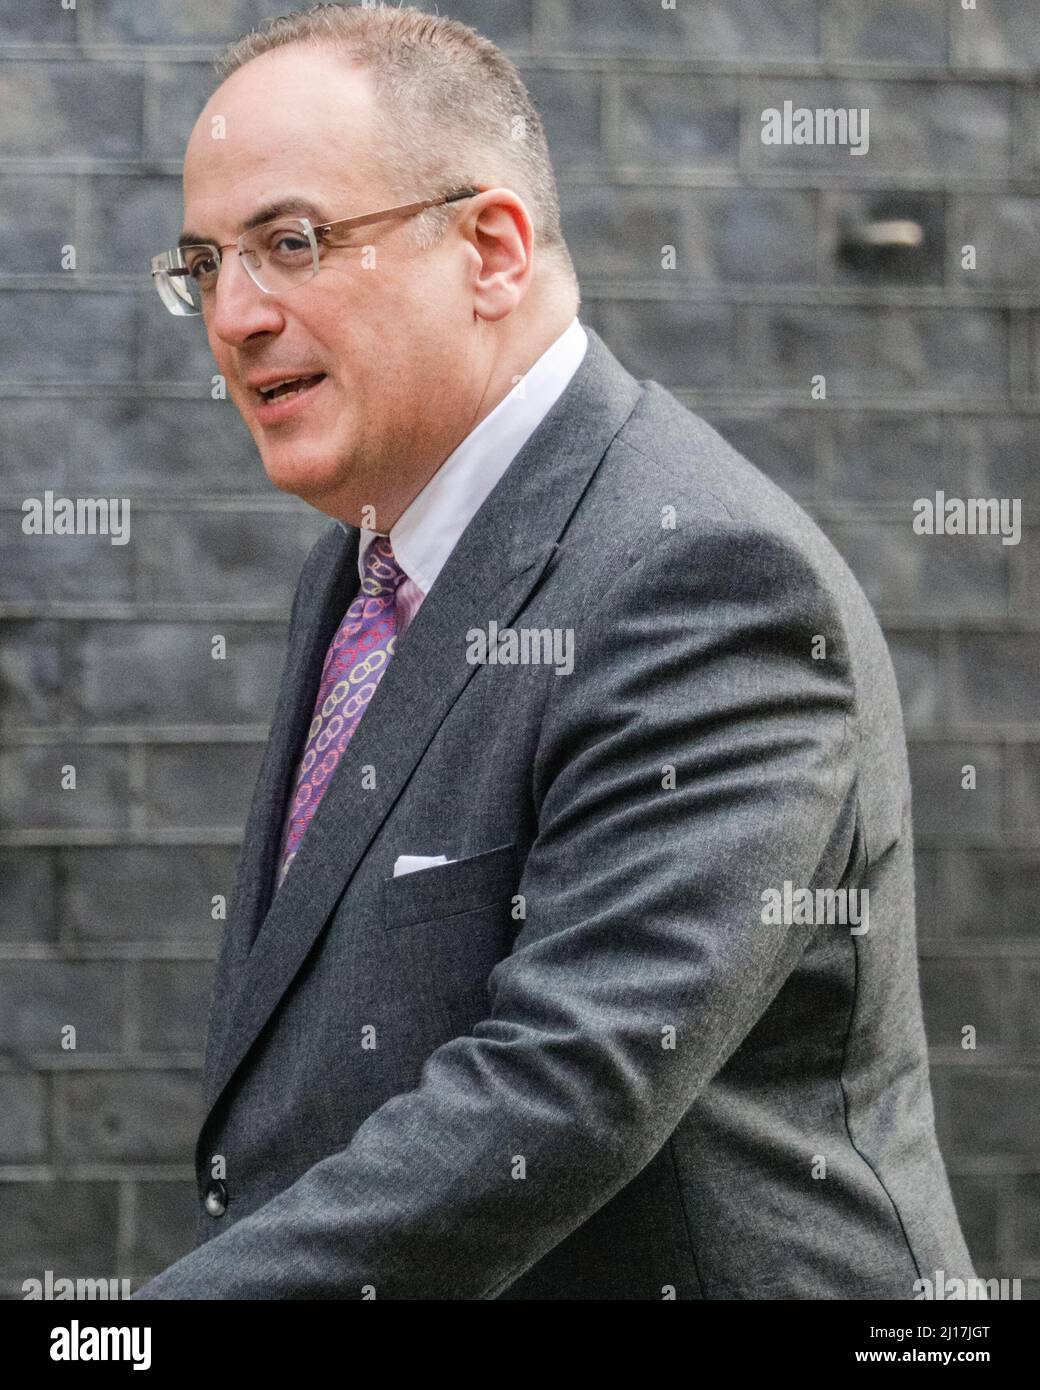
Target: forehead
<point>294,121</point>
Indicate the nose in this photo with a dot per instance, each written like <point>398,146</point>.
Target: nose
<point>240,307</point>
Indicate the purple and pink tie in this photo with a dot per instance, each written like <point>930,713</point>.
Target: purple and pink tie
<point>354,665</point>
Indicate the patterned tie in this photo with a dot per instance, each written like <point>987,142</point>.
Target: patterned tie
<point>354,665</point>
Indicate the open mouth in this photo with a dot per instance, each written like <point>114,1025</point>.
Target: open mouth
<point>292,386</point>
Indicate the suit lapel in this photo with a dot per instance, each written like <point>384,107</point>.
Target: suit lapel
<point>497,562</point>
<point>331,585</point>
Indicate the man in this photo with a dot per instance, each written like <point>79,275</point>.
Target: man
<point>648,1026</point>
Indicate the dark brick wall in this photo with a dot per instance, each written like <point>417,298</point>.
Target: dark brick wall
<point>933,382</point>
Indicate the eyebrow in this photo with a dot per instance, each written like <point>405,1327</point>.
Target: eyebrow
<point>302,207</point>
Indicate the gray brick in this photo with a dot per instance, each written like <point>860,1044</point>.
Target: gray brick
<point>132,219</point>
<point>23,1118</point>
<point>924,130</point>
<point>60,110</point>
<point>203,23</point>
<point>65,335</point>
<point>594,312</point>
<point>170,447</point>
<point>181,91</point>
<point>31,670</point>
<point>132,1117</point>
<point>998,1113</point>
<point>38,443</point>
<point>164,673</point>
<point>780,443</point>
<point>864,350</point>
<point>27,904</point>
<point>739,235</point>
<point>890,458</point>
<point>508,25</point>
<point>938,575</point>
<point>943,811</point>
<point>174,21</point>
<point>37,218</point>
<point>671,122</point>
<point>1024,1019</point>
<point>1025,795</point>
<point>31,794</point>
<point>147,894</point>
<point>1027,599</point>
<point>994,677</point>
<point>174,1005</point>
<point>677,343</point>
<point>1006,235</point>
<point>989,893</point>
<point>40,998</point>
<point>886,31</point>
<point>1025,1229</point>
<point>730,29</point>
<point>995,455</point>
<point>959,993</point>
<point>226,557</point>
<point>977,1202</point>
<point>569,104</point>
<point>916,662</point>
<point>997,34</point>
<point>50,568</point>
<point>205,785</point>
<point>164,1228</point>
<point>756,235</point>
<point>620,232</point>
<point>71,1228</point>
<point>926,893</point>
<point>43,24</point>
<point>944,1118</point>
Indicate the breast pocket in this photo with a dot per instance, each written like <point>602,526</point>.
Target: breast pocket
<point>451,890</point>
<point>450,925</point>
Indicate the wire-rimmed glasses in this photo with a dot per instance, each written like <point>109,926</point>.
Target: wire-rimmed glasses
<point>279,255</point>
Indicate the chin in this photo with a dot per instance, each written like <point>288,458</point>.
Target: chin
<point>306,477</point>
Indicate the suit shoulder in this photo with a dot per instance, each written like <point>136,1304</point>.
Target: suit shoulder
<point>668,469</point>
<point>680,449</point>
<point>665,456</point>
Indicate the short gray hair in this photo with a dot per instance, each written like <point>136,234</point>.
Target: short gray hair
<point>432,74</point>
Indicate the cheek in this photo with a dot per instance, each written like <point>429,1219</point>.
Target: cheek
<point>223,361</point>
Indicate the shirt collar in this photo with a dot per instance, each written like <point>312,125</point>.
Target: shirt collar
<point>427,531</point>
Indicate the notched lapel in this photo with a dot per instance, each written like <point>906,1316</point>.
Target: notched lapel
<point>331,580</point>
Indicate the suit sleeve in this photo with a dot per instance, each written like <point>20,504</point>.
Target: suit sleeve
<point>702,751</point>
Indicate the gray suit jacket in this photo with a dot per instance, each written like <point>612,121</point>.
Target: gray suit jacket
<point>576,1062</point>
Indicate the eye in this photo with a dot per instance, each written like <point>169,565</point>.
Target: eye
<point>287,245</point>
<point>202,266</point>
<point>289,242</point>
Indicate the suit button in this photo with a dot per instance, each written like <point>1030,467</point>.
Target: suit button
<point>216,1198</point>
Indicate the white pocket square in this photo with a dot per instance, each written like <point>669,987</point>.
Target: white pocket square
<point>408,863</point>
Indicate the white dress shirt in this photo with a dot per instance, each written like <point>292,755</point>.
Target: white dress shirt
<point>428,529</point>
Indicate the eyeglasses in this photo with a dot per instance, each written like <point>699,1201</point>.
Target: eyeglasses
<point>279,255</point>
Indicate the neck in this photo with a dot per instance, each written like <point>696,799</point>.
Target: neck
<point>520,349</point>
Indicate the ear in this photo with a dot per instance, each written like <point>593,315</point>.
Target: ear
<point>500,234</point>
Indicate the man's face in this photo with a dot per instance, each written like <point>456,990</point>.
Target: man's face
<point>394,344</point>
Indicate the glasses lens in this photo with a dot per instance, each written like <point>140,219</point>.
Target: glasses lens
<point>280,254</point>
<point>181,277</point>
